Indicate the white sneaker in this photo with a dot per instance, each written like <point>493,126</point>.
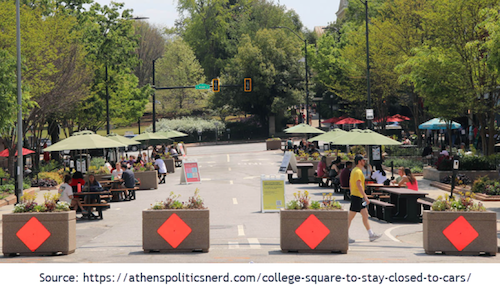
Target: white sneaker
<point>374,237</point>
<point>351,241</point>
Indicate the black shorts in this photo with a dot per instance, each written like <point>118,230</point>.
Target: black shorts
<point>357,204</point>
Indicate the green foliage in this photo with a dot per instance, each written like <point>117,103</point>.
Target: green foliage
<point>49,167</point>
<point>303,202</point>
<point>413,165</point>
<point>469,163</point>
<point>172,202</point>
<point>3,174</point>
<point>50,204</point>
<point>315,205</point>
<point>179,67</point>
<point>358,150</point>
<point>188,125</point>
<point>463,203</point>
<point>8,89</point>
<point>97,162</point>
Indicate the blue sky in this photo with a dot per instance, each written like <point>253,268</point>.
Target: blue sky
<point>164,12</point>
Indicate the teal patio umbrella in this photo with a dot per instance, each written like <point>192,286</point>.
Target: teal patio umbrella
<point>438,123</point>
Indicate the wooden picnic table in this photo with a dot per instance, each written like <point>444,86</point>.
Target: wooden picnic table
<point>99,204</point>
<point>304,172</point>
<point>405,200</point>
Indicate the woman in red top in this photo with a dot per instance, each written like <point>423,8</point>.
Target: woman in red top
<point>409,180</point>
<point>322,170</point>
<point>76,179</point>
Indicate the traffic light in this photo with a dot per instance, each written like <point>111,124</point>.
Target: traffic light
<point>215,85</point>
<point>247,84</point>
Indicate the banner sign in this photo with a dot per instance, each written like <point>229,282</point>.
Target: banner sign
<point>190,172</point>
<point>288,161</point>
<point>272,193</point>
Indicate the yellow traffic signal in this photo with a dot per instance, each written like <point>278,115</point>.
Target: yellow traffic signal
<point>247,84</point>
<point>215,85</point>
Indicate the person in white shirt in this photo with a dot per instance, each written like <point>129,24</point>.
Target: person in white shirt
<point>160,165</point>
<point>117,172</point>
<point>379,175</point>
<point>444,151</point>
<point>66,194</point>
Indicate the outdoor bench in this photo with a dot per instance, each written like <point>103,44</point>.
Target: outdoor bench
<point>426,202</point>
<point>380,210</point>
<point>98,208</point>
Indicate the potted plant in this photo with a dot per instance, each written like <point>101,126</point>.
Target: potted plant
<point>307,226</point>
<point>173,226</point>
<point>273,143</point>
<point>459,227</point>
<point>39,229</point>
<point>147,175</point>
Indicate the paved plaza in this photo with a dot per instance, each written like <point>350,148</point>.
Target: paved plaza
<point>239,232</point>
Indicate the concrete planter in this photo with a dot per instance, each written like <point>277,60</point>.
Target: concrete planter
<point>149,180</point>
<point>435,175</point>
<point>332,236</point>
<point>170,164</point>
<point>273,144</point>
<point>59,235</point>
<point>176,230</point>
<point>478,237</point>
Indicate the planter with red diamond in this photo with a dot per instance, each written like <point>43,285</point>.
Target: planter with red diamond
<point>314,231</point>
<point>39,233</point>
<point>460,233</point>
<point>176,230</point>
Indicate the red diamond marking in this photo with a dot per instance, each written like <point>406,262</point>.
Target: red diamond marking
<point>174,230</point>
<point>312,231</point>
<point>33,234</point>
<point>460,233</point>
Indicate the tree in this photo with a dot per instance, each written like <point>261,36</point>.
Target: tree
<point>272,60</point>
<point>151,47</point>
<point>8,90</point>
<point>111,43</point>
<point>179,67</point>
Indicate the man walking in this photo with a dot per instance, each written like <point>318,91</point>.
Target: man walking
<point>359,200</point>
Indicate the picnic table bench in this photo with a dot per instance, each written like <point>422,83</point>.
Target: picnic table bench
<point>381,210</point>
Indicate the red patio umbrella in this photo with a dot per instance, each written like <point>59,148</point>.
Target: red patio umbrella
<point>349,120</point>
<point>401,117</point>
<point>5,152</point>
<point>333,119</point>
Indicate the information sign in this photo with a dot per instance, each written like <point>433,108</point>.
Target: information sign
<point>288,160</point>
<point>272,193</point>
<point>190,172</point>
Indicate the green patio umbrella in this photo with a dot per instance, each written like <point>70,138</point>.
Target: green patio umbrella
<point>84,140</point>
<point>328,136</point>
<point>172,133</point>
<point>364,137</point>
<point>149,136</point>
<point>124,140</point>
<point>303,128</point>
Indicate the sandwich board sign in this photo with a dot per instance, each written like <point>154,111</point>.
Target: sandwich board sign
<point>190,172</point>
<point>272,193</point>
<point>288,160</point>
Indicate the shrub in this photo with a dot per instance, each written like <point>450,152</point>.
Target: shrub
<point>414,166</point>
<point>49,167</point>
<point>172,202</point>
<point>460,180</point>
<point>51,176</point>
<point>97,162</point>
<point>463,203</point>
<point>303,202</point>
<point>479,185</point>
<point>49,204</point>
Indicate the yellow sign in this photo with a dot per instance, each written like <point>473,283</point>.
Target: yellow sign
<point>273,194</point>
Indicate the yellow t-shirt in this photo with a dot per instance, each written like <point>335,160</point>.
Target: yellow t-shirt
<point>356,174</point>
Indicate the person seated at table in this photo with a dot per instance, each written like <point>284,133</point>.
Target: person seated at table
<point>322,171</point>
<point>131,162</point>
<point>139,162</point>
<point>117,172</point>
<point>128,178</point>
<point>409,181</point>
<point>367,171</point>
<point>303,144</point>
<point>173,152</point>
<point>160,166</point>
<point>345,174</point>
<point>76,179</point>
<point>334,174</point>
<point>444,152</point>
<point>379,175</point>
<point>93,185</point>
<point>66,194</point>
<point>313,149</point>
<point>401,173</point>
<point>145,158</point>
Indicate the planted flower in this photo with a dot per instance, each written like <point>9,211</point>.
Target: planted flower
<point>463,203</point>
<point>172,202</point>
<point>302,201</point>
<point>50,204</point>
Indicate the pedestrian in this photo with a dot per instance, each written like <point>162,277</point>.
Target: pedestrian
<point>359,199</point>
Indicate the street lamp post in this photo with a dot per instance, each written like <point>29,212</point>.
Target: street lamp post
<point>307,74</point>
<point>19,168</point>
<point>368,95</point>
<point>154,98</point>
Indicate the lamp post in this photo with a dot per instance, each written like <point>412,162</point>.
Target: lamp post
<point>305,58</point>
<point>19,168</point>
<point>368,96</point>
<point>154,97</point>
